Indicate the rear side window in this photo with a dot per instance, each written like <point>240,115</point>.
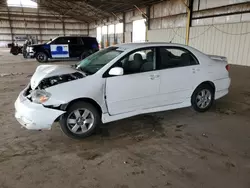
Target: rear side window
<point>72,40</point>
<point>90,42</point>
<point>171,57</point>
<point>66,40</point>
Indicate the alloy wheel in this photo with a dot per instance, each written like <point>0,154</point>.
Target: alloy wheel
<point>204,98</point>
<point>80,121</point>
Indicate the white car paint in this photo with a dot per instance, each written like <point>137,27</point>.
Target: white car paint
<point>124,96</point>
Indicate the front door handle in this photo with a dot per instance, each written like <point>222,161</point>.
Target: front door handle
<point>154,76</point>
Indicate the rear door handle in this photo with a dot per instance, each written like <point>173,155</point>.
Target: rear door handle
<point>194,70</point>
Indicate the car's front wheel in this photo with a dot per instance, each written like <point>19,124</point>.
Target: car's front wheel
<point>202,98</point>
<point>80,120</point>
<point>41,57</point>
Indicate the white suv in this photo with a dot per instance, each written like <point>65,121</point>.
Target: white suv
<point>120,82</point>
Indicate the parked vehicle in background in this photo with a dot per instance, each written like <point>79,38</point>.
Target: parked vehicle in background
<point>20,44</point>
<point>120,82</point>
<point>15,49</point>
<point>65,47</point>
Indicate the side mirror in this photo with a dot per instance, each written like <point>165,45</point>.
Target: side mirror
<point>116,71</point>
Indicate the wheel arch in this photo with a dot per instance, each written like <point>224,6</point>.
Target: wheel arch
<point>44,51</point>
<point>89,100</point>
<point>210,83</point>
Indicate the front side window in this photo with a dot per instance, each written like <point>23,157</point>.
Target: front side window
<point>142,60</point>
<point>175,57</point>
<point>65,40</point>
<point>96,61</point>
<point>60,40</point>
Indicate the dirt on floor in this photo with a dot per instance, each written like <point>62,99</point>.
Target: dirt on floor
<point>175,149</point>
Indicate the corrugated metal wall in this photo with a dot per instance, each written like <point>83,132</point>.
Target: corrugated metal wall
<point>175,35</point>
<point>39,23</point>
<point>219,27</point>
<point>230,40</point>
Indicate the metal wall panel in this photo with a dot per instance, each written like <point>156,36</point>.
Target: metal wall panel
<point>176,35</point>
<point>167,8</point>
<point>229,40</point>
<point>206,4</point>
<point>44,26</point>
<point>128,37</point>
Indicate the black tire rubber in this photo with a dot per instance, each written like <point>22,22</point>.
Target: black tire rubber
<point>45,57</point>
<point>15,52</point>
<point>74,106</point>
<point>196,92</point>
<point>84,55</point>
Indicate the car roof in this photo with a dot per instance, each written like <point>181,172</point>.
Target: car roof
<point>78,36</point>
<point>148,44</point>
<point>134,46</point>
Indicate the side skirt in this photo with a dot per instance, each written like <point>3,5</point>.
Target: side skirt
<point>106,118</point>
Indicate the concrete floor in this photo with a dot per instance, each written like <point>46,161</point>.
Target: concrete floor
<point>179,148</point>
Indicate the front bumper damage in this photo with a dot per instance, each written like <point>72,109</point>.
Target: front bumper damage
<point>34,116</point>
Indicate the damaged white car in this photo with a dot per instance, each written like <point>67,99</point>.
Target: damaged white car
<point>120,82</point>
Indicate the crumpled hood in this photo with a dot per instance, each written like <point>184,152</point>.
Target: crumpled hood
<point>46,71</point>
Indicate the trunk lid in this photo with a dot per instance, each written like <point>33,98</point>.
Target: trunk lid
<point>218,58</point>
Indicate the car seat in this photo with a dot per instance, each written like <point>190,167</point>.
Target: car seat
<point>149,65</point>
<point>135,65</point>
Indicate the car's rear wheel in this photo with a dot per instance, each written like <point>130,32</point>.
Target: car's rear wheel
<point>203,98</point>
<point>41,57</point>
<point>80,120</point>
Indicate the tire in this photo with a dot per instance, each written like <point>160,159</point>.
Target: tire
<point>15,52</point>
<point>82,125</point>
<point>202,98</point>
<point>84,55</point>
<point>41,57</point>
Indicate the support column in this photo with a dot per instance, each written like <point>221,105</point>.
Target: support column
<point>107,42</point>
<point>189,18</point>
<point>39,25</point>
<point>147,21</point>
<point>10,24</point>
<point>88,29</point>
<point>124,25</point>
<point>63,26</point>
<point>115,42</point>
<point>188,26</point>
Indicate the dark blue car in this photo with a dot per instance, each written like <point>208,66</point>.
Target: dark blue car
<point>65,47</point>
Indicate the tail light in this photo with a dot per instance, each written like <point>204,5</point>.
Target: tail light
<point>227,67</point>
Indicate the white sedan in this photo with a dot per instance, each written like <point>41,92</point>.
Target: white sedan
<point>120,82</point>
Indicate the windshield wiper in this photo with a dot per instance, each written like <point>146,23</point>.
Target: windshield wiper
<point>85,71</point>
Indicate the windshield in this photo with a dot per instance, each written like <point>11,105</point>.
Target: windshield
<point>96,61</point>
<point>51,40</point>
